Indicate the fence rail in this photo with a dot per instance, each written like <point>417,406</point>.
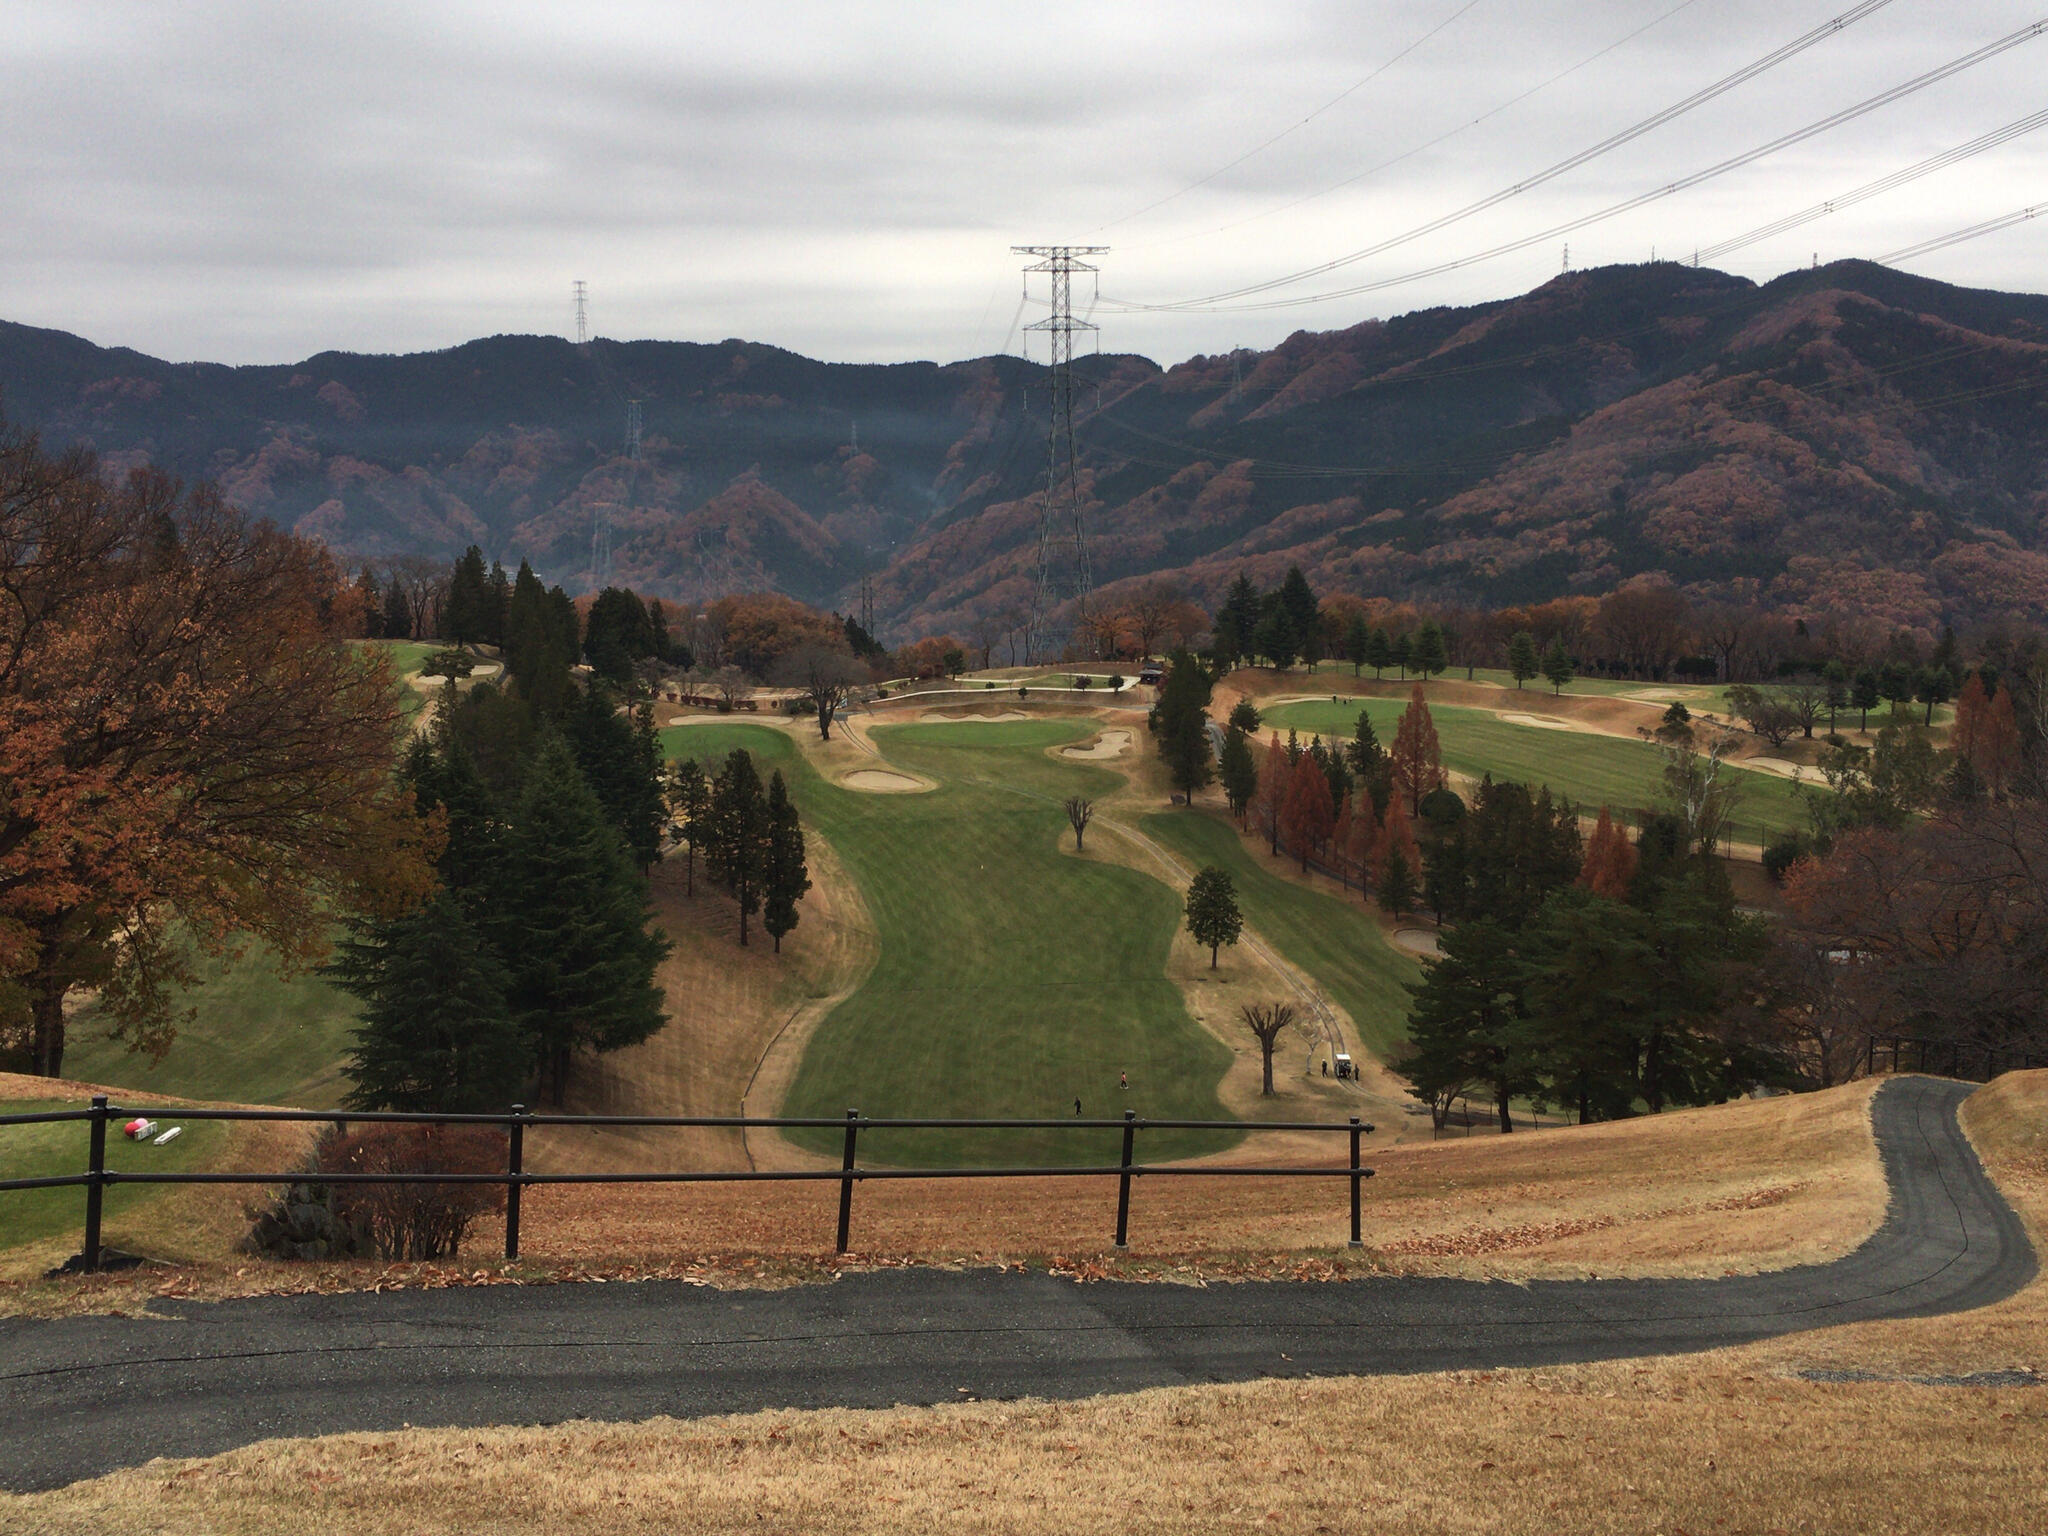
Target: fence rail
<point>1971,1060</point>
<point>516,1178</point>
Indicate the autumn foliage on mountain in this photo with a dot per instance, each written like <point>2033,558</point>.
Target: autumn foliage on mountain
<point>1843,441</point>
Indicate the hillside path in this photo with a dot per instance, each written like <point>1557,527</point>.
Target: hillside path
<point>81,1396</point>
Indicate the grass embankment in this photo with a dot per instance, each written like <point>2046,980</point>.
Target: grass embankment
<point>1335,942</point>
<point>1013,978</point>
<point>1589,770</point>
<point>257,1038</point>
<point>44,1151</point>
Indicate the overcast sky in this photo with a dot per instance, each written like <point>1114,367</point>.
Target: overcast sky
<point>257,180</point>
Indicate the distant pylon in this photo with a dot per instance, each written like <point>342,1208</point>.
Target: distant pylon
<point>1060,262</point>
<point>582,313</point>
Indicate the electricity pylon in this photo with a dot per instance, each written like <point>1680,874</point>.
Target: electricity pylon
<point>1060,262</point>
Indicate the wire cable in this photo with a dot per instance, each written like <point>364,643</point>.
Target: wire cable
<point>1883,184</point>
<point>1626,205</point>
<point>1261,148</point>
<point>1701,97</point>
<point>1957,237</point>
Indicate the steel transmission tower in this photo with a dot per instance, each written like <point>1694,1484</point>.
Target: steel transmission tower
<point>1060,262</point>
<point>582,312</point>
<point>601,519</point>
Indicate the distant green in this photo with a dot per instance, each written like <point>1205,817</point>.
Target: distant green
<point>43,1151</point>
<point>1589,770</point>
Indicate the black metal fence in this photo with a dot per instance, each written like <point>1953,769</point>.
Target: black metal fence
<point>516,1177</point>
<point>1970,1060</point>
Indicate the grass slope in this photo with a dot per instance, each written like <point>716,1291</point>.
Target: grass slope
<point>1335,942</point>
<point>1589,770</point>
<point>257,1038</point>
<point>42,1151</point>
<point>1013,977</point>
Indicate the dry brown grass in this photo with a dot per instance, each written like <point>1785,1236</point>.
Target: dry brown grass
<point>1686,1445</point>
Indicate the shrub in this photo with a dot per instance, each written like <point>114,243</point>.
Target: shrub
<point>303,1224</point>
<point>1115,680</point>
<point>1785,850</point>
<point>1080,681</point>
<point>1023,693</point>
<point>799,707</point>
<point>415,1221</point>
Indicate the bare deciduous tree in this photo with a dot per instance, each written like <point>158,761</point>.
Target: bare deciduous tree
<point>1080,812</point>
<point>826,676</point>
<point>1267,1020</point>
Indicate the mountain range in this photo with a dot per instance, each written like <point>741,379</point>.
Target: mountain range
<point>1846,439</point>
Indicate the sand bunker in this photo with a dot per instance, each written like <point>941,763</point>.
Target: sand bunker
<point>1803,772</point>
<point>1417,941</point>
<point>1541,722</point>
<point>1007,714</point>
<point>883,781</point>
<point>1108,744</point>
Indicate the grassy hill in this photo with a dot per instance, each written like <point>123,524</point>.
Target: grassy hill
<point>1013,977</point>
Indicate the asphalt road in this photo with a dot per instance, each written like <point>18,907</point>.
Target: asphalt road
<point>82,1396</point>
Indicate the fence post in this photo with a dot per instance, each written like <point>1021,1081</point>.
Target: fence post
<point>1357,1232</point>
<point>1123,1192</point>
<point>515,1165</point>
<point>846,1179</point>
<point>96,1181</point>
<point>1870,1055</point>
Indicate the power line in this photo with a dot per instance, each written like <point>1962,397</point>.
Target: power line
<point>1607,145</point>
<point>1542,237</point>
<point>1957,237</point>
<point>1262,147</point>
<point>1424,148</point>
<point>1883,184</point>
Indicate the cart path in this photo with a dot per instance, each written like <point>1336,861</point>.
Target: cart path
<point>82,1396</point>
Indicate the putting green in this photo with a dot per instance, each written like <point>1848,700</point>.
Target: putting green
<point>1589,770</point>
<point>1013,978</point>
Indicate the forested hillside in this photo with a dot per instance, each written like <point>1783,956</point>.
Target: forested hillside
<point>1844,439</point>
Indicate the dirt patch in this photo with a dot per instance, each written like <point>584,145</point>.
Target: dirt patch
<point>885,781</point>
<point>1417,941</point>
<point>1114,743</point>
<point>1541,722</point>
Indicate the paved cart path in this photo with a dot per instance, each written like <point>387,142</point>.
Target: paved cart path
<point>81,1396</point>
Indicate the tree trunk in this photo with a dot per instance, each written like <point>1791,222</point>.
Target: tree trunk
<point>47,1013</point>
<point>825,722</point>
<point>1212,955</point>
<point>1267,1052</point>
<point>1507,1122</point>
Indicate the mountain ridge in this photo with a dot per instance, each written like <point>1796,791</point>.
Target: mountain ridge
<point>1844,438</point>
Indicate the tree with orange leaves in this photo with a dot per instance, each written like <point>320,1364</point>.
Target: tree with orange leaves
<point>1416,760</point>
<point>182,737</point>
<point>1275,772</point>
<point>1986,735</point>
<point>1306,815</point>
<point>1610,860</point>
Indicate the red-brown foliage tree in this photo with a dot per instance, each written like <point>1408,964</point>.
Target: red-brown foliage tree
<point>1416,760</point>
<point>1275,773</point>
<point>1610,860</point>
<point>181,737</point>
<point>1306,815</point>
<point>1986,735</point>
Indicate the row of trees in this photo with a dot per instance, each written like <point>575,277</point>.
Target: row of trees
<point>752,843</point>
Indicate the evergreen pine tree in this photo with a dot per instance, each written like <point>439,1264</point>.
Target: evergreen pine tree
<point>1429,655</point>
<point>465,618</point>
<point>1557,665</point>
<point>397,612</point>
<point>1397,884</point>
<point>1379,653</point>
<point>1864,694</point>
<point>1299,602</point>
<point>1522,661</point>
<point>1357,642</point>
<point>788,877</point>
<point>1180,724</point>
<point>738,851</point>
<point>570,922</point>
<point>1462,1026</point>
<point>1244,715</point>
<point>1275,636</point>
<point>1239,770</point>
<point>620,757</point>
<point>497,598</point>
<point>689,803</point>
<point>1401,651</point>
<point>534,657</point>
<point>436,1034</point>
<point>1212,915</point>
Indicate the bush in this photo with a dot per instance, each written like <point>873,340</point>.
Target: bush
<point>1785,850</point>
<point>304,1224</point>
<point>1023,693</point>
<point>415,1221</point>
<point>801,707</point>
<point>1080,681</point>
<point>1116,680</point>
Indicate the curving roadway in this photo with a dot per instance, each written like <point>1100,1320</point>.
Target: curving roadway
<point>82,1396</point>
